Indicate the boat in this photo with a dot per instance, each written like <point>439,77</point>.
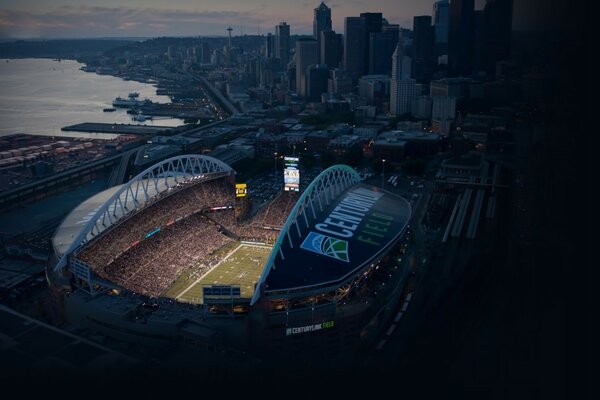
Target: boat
<point>134,95</point>
<point>141,118</point>
<point>127,103</point>
<point>111,109</point>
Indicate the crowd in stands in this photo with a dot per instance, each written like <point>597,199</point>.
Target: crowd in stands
<point>277,211</point>
<point>151,266</point>
<point>164,209</point>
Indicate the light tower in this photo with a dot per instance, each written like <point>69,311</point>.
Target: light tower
<point>229,45</point>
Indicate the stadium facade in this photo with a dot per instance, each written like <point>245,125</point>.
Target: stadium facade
<point>168,260</point>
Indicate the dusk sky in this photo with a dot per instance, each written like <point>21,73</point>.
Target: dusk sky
<point>152,18</point>
<point>143,18</point>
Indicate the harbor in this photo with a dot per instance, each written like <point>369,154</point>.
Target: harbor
<point>127,129</point>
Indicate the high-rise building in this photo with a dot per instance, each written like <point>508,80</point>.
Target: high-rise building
<point>375,89</point>
<point>381,47</point>
<point>321,22</point>
<point>316,81</point>
<point>402,88</point>
<point>443,108</point>
<point>282,43</point>
<point>372,23</point>
<point>479,50</point>
<point>441,17</point>
<point>331,48</point>
<point>306,55</point>
<point>339,82</point>
<point>205,53</point>
<point>460,38</point>
<point>498,28</point>
<point>270,45</point>
<point>422,58</point>
<point>354,47</point>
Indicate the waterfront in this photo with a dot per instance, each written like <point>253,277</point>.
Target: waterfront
<point>40,96</point>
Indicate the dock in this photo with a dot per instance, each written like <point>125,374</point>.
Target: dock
<point>128,129</point>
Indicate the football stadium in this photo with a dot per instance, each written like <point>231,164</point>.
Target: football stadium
<point>178,255</point>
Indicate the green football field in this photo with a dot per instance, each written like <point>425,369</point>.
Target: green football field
<point>242,267</point>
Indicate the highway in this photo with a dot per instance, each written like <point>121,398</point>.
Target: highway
<point>31,190</point>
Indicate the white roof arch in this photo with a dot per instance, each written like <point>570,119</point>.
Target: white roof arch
<point>148,184</point>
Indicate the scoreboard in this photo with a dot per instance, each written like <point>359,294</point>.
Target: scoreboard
<point>241,190</point>
<point>291,174</point>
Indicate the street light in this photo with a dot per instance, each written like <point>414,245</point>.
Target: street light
<point>382,172</point>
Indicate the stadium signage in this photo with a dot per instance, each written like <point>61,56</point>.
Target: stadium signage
<point>309,328</point>
<point>241,189</point>
<point>349,213</point>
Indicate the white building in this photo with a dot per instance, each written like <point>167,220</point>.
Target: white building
<point>403,89</point>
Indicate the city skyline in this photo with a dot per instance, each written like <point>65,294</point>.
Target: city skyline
<point>132,18</point>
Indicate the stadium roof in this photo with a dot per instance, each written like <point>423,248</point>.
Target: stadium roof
<point>72,225</point>
<point>110,206</point>
<point>336,228</point>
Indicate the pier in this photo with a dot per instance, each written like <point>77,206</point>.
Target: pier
<point>127,129</point>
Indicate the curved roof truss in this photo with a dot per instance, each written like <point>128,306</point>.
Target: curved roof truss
<point>324,189</point>
<point>147,185</point>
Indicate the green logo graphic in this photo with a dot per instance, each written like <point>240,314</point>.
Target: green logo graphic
<point>326,245</point>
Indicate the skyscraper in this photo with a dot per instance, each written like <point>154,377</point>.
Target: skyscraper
<point>306,55</point>
<point>479,51</point>
<point>316,81</point>
<point>331,48</point>
<point>205,53</point>
<point>321,22</point>
<point>422,59</point>
<point>460,38</point>
<point>381,48</point>
<point>440,25</point>
<point>354,47</point>
<point>403,88</point>
<point>498,28</point>
<point>282,43</point>
<point>270,45</point>
<point>372,23</point>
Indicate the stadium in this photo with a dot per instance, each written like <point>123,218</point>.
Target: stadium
<point>176,258</point>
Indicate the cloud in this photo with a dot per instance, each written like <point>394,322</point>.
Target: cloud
<point>84,21</point>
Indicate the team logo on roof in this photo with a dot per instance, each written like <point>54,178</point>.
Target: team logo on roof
<point>326,245</point>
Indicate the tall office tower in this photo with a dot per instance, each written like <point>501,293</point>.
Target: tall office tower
<point>306,55</point>
<point>354,47</point>
<point>270,45</point>
<point>498,27</point>
<point>443,108</point>
<point>282,43</point>
<point>372,23</point>
<point>460,38</point>
<point>441,17</point>
<point>402,89</point>
<point>321,22</point>
<point>479,50</point>
<point>339,82</point>
<point>394,30</point>
<point>381,48</point>
<point>331,48</point>
<point>422,58</point>
<point>205,53</point>
<point>316,81</point>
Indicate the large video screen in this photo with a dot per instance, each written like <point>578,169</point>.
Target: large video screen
<point>291,174</point>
